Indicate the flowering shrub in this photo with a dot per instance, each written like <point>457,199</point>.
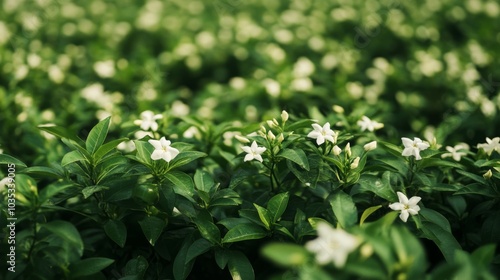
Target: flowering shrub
<point>249,139</point>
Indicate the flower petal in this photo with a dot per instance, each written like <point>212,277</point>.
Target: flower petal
<point>402,198</point>
<point>404,215</point>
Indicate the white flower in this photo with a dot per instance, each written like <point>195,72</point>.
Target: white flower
<point>366,124</point>
<point>253,152</point>
<point>322,133</point>
<point>126,146</point>
<point>413,148</point>
<point>332,245</point>
<point>163,150</point>
<point>4,183</point>
<point>406,206</point>
<point>370,146</point>
<point>105,69</point>
<point>491,145</point>
<point>455,152</point>
<point>241,139</point>
<point>148,120</point>
<point>347,150</point>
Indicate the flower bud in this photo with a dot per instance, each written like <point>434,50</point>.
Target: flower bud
<point>275,122</point>
<point>488,174</point>
<point>270,135</point>
<point>355,163</point>
<point>263,129</point>
<point>347,149</point>
<point>370,146</point>
<point>242,139</point>
<point>281,137</point>
<point>338,109</point>
<point>270,123</point>
<point>284,116</point>
<point>336,150</point>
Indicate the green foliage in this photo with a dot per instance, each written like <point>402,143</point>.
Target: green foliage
<point>240,188</point>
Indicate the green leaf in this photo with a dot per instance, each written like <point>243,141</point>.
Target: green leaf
<point>43,171</point>
<point>207,228</point>
<point>90,190</point>
<point>490,230</point>
<point>243,232</point>
<point>264,215</point>
<point>6,159</point>
<point>445,241</point>
<point>66,232</point>
<point>152,227</point>
<point>435,217</point>
<point>183,184</point>
<point>136,267</point>
<point>277,206</point>
<point>97,136</point>
<point>106,148</point>
<point>117,231</point>
<point>203,181</point>
<point>289,255</point>
<point>296,155</point>
<point>240,267</point>
<point>391,148</point>
<point>89,266</point>
<point>144,151</point>
<point>60,132</point>
<point>409,251</point>
<point>198,247</point>
<point>221,258</point>
<point>477,188</point>
<point>185,157</point>
<point>182,267</point>
<point>344,209</point>
<point>71,157</point>
<point>484,254</point>
<point>368,212</point>
<point>430,162</point>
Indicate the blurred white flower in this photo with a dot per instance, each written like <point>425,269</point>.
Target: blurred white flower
<point>284,116</point>
<point>191,132</point>
<point>303,68</point>
<point>413,148</point>
<point>347,150</point>
<point>253,152</point>
<point>179,109</point>
<point>273,88</point>
<point>34,60</point>
<point>322,133</point>
<point>163,150</point>
<point>302,84</point>
<point>148,120</point>
<point>55,74</point>
<point>332,245</point>
<point>21,72</point>
<point>490,145</point>
<point>141,134</point>
<point>406,206</point>
<point>456,152</point>
<point>366,124</point>
<point>105,69</point>
<point>237,83</point>
<point>4,183</point>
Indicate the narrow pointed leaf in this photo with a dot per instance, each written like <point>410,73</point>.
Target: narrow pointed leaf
<point>97,136</point>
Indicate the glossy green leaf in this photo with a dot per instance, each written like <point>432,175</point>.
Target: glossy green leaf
<point>264,215</point>
<point>203,181</point>
<point>181,267</point>
<point>277,206</point>
<point>66,232</point>
<point>445,241</point>
<point>207,228</point>
<point>117,231</point>
<point>71,157</point>
<point>344,209</point>
<point>97,135</point>
<point>152,227</point>
<point>368,212</point>
<point>6,159</point>
<point>198,247</point>
<point>90,190</point>
<point>88,267</point>
<point>240,267</point>
<point>296,155</point>
<point>185,157</point>
<point>243,232</point>
<point>43,171</point>
<point>106,148</point>
<point>182,184</point>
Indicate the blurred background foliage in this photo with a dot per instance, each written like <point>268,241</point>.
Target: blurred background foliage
<point>420,67</point>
